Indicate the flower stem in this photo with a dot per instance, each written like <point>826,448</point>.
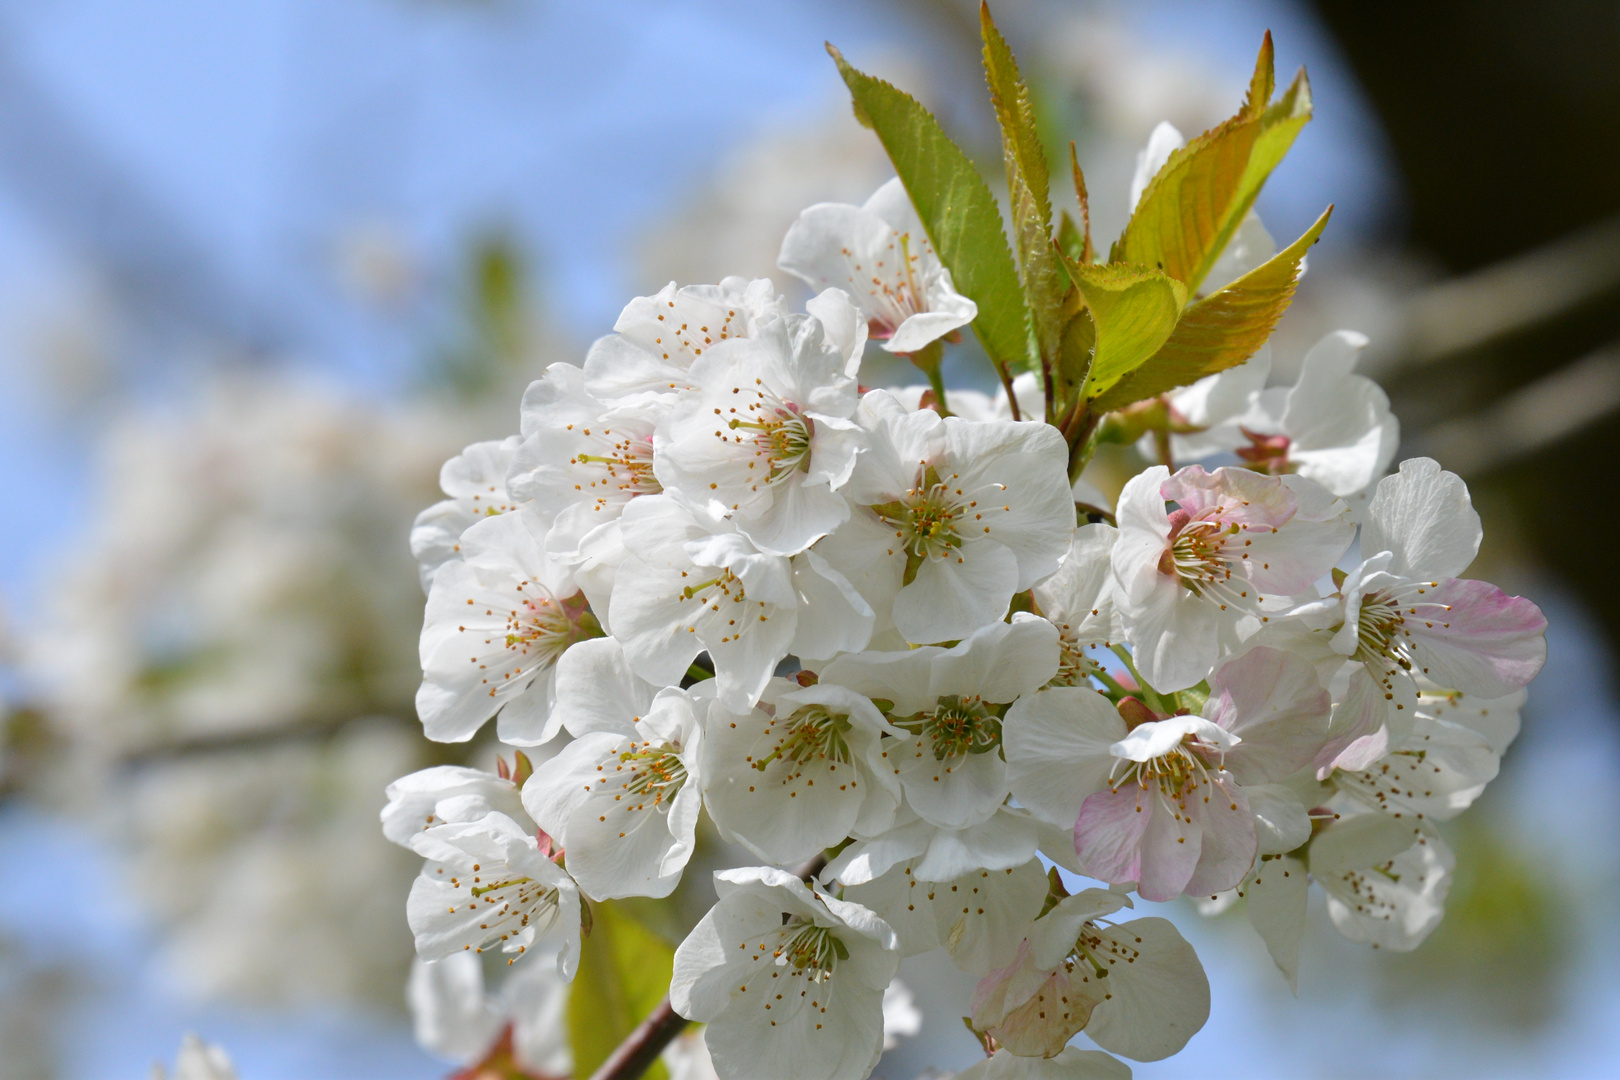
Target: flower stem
<point>928,359</point>
<point>1150,697</point>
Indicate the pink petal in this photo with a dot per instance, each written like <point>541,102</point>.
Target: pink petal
<point>1482,641</point>
<point>1229,842</point>
<point>1171,846</point>
<point>1108,834</point>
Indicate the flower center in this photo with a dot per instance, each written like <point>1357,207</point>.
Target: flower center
<point>956,726</point>
<point>628,462</point>
<point>812,734</point>
<point>724,587</point>
<point>1382,636</point>
<point>543,628</point>
<point>1197,558</point>
<point>894,295</point>
<point>928,518</point>
<point>657,773</point>
<point>1075,668</point>
<point>510,905</point>
<point>1176,774</point>
<point>809,948</point>
<point>773,429</point>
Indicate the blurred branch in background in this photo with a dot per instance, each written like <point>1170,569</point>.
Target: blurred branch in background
<point>1531,419</point>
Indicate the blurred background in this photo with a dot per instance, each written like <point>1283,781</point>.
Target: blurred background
<point>265,264</point>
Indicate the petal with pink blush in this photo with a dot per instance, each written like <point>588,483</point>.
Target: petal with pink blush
<point>1239,495</point>
<point>1108,834</point>
<point>1229,839</point>
<point>1486,642</point>
<point>1171,844</point>
<point>1272,701</point>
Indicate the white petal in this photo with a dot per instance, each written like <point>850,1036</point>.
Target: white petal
<point>1424,516</point>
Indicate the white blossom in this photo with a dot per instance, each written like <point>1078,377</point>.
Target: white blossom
<point>790,982</point>
<point>880,254</point>
<point>475,481</point>
<point>951,702</point>
<point>691,585</point>
<point>624,807</point>
<point>954,517</point>
<point>495,624</point>
<point>766,437</point>
<point>487,884</point>
<point>800,772</point>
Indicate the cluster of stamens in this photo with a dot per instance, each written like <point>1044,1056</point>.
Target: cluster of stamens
<point>777,432</point>
<point>657,774</point>
<point>956,726</point>
<point>518,903</point>
<point>1197,557</point>
<point>724,586</point>
<point>627,461</point>
<point>539,628</point>
<point>930,518</point>
<point>895,296</point>
<point>812,735</point>
<point>1382,636</point>
<point>812,949</point>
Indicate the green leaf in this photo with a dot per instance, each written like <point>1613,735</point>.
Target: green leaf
<point>1134,310</point>
<point>1028,187</point>
<point>1222,330</point>
<point>624,972</point>
<point>1192,208</point>
<point>957,209</point>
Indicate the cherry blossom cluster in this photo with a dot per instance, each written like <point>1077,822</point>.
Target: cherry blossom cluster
<point>884,639</point>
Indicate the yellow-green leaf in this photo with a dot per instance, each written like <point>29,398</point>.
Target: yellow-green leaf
<point>624,972</point>
<point>1133,312</point>
<point>1222,330</point>
<point>1191,209</point>
<point>957,209</point>
<point>1027,187</point>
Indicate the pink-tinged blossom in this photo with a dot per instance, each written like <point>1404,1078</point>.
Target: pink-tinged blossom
<point>880,255</point>
<point>1136,989</point>
<point>1190,579</point>
<point>1173,813</point>
<point>1407,614</point>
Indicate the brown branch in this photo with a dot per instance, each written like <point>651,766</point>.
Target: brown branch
<point>635,1055</point>
<point>641,1047</point>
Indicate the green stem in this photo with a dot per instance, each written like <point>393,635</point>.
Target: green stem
<point>1112,684</point>
<point>1150,697</point>
<point>928,360</point>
